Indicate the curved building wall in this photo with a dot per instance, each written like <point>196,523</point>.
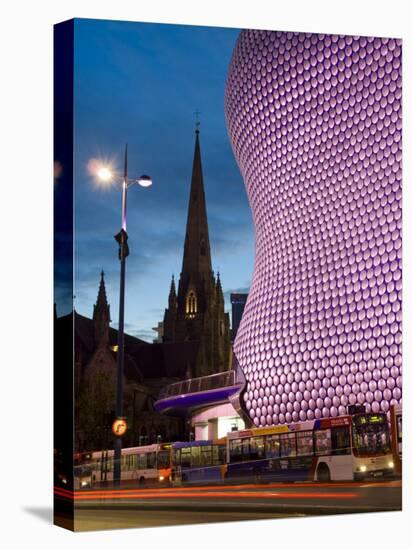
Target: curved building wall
<point>315,124</point>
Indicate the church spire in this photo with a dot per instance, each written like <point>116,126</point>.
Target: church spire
<point>101,314</point>
<point>219,291</point>
<point>199,316</point>
<point>101,296</point>
<point>172,294</point>
<point>196,258</point>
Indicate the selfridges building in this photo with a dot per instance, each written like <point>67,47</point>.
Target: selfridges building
<point>315,125</point>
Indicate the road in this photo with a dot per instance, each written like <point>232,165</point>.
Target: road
<point>95,510</point>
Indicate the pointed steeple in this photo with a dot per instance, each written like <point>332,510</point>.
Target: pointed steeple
<point>101,296</point>
<point>199,316</point>
<point>172,295</point>
<point>101,315</point>
<point>219,291</point>
<point>196,257</point>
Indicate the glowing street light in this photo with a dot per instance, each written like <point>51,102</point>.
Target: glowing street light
<point>106,175</point>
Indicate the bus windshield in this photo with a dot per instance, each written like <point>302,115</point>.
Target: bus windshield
<point>163,459</point>
<point>371,439</point>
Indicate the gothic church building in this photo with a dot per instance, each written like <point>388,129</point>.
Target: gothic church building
<point>196,312</point>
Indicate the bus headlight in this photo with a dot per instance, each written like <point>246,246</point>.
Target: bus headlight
<point>84,483</point>
<point>391,464</point>
<point>363,468</point>
<point>161,478</point>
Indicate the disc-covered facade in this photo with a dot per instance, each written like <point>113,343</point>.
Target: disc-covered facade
<point>315,124</point>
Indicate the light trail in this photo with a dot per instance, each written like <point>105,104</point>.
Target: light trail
<point>140,494</point>
<point>102,493</point>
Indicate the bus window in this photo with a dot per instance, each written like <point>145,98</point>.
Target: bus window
<point>151,460</point>
<point>341,440</point>
<point>206,455</point>
<point>185,458</point>
<point>196,457</point>
<point>257,448</point>
<point>304,441</point>
<point>245,449</point>
<point>235,450</point>
<point>142,461</point>
<point>288,444</point>
<point>176,458</point>
<point>215,455</point>
<point>221,454</point>
<point>323,442</point>
<point>370,439</point>
<point>399,428</point>
<point>272,446</point>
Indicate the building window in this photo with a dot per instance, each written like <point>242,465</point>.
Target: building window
<point>191,304</point>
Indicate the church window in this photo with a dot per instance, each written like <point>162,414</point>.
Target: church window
<point>191,304</point>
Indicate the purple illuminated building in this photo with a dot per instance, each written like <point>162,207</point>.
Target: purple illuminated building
<point>315,124</point>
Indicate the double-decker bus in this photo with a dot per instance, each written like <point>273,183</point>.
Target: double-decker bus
<point>145,465</point>
<point>199,461</point>
<point>396,436</point>
<point>341,448</point>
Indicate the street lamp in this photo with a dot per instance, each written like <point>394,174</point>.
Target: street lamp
<point>105,174</point>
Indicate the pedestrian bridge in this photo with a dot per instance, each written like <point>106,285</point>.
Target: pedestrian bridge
<point>184,397</point>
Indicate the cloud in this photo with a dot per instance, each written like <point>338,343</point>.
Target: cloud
<point>146,335</point>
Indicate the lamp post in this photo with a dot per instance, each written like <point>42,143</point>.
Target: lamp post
<point>119,426</point>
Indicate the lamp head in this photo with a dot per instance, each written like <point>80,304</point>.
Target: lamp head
<point>145,181</point>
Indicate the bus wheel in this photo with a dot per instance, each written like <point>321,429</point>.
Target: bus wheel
<point>142,481</point>
<point>323,472</point>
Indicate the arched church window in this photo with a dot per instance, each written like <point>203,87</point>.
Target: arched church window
<point>191,304</point>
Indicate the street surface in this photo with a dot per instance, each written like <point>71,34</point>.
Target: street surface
<point>111,509</point>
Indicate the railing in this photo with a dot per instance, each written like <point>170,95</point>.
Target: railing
<point>204,383</point>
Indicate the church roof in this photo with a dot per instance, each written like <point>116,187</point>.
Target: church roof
<point>142,359</point>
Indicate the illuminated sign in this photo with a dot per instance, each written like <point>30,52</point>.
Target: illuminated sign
<point>370,419</point>
<point>119,427</point>
<point>376,419</point>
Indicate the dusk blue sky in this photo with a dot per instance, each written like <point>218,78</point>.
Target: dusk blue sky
<point>141,83</point>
